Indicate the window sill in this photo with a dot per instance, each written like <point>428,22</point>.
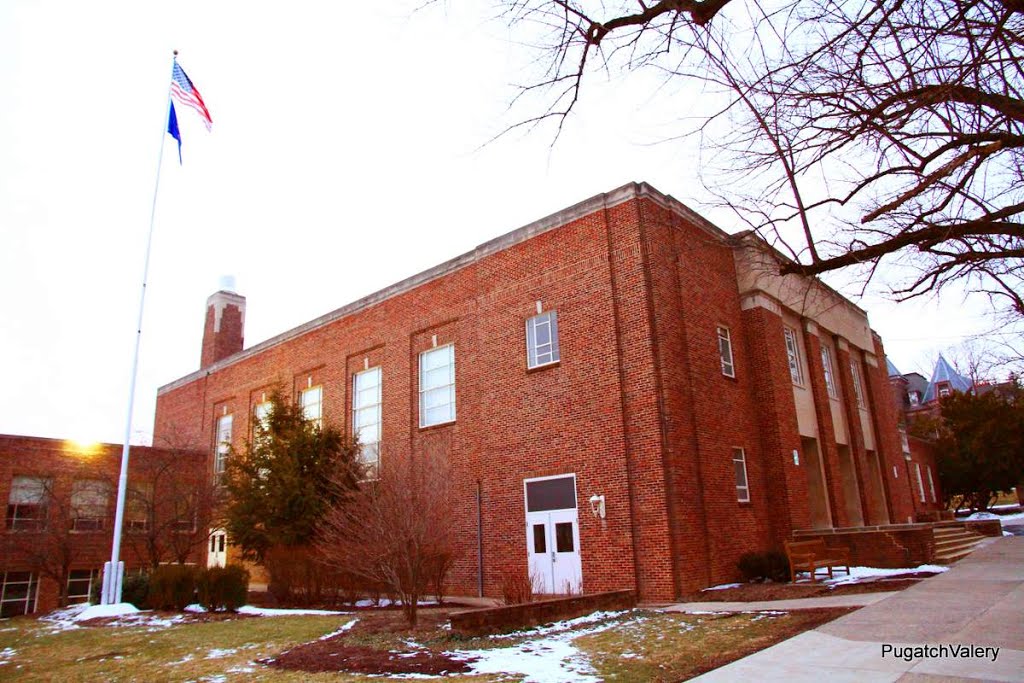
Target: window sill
<point>745,503</point>
<point>545,366</point>
<point>439,425</point>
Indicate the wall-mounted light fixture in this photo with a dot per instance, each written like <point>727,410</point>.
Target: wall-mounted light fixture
<point>597,505</point>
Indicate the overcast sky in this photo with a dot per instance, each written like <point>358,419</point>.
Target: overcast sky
<point>350,149</point>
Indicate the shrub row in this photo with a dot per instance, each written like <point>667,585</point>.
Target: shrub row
<point>175,586</point>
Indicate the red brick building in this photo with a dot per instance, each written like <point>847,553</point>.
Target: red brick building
<point>60,511</point>
<point>628,397</point>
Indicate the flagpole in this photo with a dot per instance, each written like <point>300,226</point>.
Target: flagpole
<point>113,571</point>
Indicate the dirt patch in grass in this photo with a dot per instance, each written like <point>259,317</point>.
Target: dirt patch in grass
<point>758,592</point>
<point>334,655</point>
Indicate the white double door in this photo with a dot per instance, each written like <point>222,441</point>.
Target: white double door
<point>218,553</point>
<point>553,541</point>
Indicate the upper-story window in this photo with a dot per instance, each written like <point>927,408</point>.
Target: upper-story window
<point>437,386</point>
<point>826,364</point>
<point>944,390</point>
<point>725,352</point>
<point>261,417</point>
<point>914,397</point>
<point>858,387</point>
<point>542,339</point>
<point>89,499</point>
<point>311,400</point>
<point>739,462</point>
<point>223,443</point>
<point>366,418</point>
<point>793,352</point>
<point>137,507</point>
<point>27,503</point>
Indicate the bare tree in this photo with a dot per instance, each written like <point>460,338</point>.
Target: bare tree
<point>396,531</point>
<point>848,132</point>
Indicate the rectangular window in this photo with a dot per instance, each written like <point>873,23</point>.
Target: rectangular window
<point>223,443</point>
<point>79,583</point>
<point>89,500</point>
<point>920,484</point>
<point>26,505</point>
<point>542,340</point>
<point>931,485</point>
<point>437,386</point>
<point>858,387</point>
<point>826,364</point>
<point>260,418</point>
<point>793,351</point>
<point>18,594</point>
<point>312,404</point>
<point>366,418</point>
<point>725,352</point>
<point>739,462</point>
<point>137,507</point>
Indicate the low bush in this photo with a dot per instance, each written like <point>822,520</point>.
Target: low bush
<point>516,586</point>
<point>761,565</point>
<point>223,587</point>
<point>134,589</point>
<point>172,586</point>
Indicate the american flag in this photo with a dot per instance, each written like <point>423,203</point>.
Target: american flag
<point>187,95</point>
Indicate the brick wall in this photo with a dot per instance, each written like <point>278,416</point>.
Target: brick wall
<point>637,408</point>
<point>62,463</point>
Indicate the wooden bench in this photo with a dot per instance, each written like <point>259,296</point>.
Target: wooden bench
<point>810,556</point>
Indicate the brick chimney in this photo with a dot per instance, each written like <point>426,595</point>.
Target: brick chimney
<point>224,332</point>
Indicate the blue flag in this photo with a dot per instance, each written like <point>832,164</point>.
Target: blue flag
<point>172,128</point>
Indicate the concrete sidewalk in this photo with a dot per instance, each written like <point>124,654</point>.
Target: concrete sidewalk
<point>979,602</point>
<point>855,600</point>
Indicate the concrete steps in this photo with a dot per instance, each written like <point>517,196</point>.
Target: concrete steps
<point>953,543</point>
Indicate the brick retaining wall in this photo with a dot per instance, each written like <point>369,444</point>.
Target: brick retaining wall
<point>493,619</point>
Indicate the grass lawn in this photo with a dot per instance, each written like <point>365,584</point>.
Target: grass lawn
<point>637,645</point>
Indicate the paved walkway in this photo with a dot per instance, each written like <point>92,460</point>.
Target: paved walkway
<point>978,603</point>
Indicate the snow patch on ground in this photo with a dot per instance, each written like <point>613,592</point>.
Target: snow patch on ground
<point>6,655</point>
<point>982,515</point>
<point>217,653</point>
<point>101,611</point>
<point>385,602</point>
<point>859,573</point>
<point>241,669</point>
<point>184,660</point>
<point>723,586</point>
<point>341,630</point>
<point>549,659</point>
<point>195,608</point>
<point>559,626</point>
<point>275,612</point>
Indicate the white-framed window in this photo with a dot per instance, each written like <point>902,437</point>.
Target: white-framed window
<point>89,500</point>
<point>79,583</point>
<point>366,418</point>
<point>260,416</point>
<point>224,423</point>
<point>27,503</point>
<point>311,400</point>
<point>920,484</point>
<point>796,371</point>
<point>739,463</point>
<point>915,398</point>
<point>904,441</point>
<point>542,340</point>
<point>725,351</point>
<point>858,386</point>
<point>18,592</point>
<point>826,364</point>
<point>437,386</point>
<point>931,485</point>
<point>137,506</point>
<point>944,390</point>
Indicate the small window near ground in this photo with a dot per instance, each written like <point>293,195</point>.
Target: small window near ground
<point>542,340</point>
<point>79,584</point>
<point>437,386</point>
<point>739,462</point>
<point>18,593</point>
<point>796,372</point>
<point>725,352</point>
